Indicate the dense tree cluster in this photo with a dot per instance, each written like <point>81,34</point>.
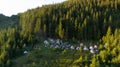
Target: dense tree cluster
<point>109,55</point>
<point>8,46</point>
<point>73,19</point>
<point>12,45</point>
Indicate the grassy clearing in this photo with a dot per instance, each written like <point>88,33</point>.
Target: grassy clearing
<point>47,57</point>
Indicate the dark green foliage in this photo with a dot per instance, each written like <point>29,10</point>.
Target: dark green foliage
<point>78,19</point>
<point>6,22</point>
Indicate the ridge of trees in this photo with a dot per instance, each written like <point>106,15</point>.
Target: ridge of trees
<point>77,19</point>
<point>6,22</point>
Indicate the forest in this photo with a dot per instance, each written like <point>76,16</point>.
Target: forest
<point>86,22</point>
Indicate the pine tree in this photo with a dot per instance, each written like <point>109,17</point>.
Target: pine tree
<point>60,30</point>
<point>37,26</point>
<point>95,62</point>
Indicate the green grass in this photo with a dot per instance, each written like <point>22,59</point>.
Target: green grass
<point>47,57</point>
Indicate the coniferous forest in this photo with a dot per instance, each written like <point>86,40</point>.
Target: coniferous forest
<point>89,31</point>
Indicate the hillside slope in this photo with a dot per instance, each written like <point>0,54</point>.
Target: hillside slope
<point>6,22</point>
<point>78,19</point>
